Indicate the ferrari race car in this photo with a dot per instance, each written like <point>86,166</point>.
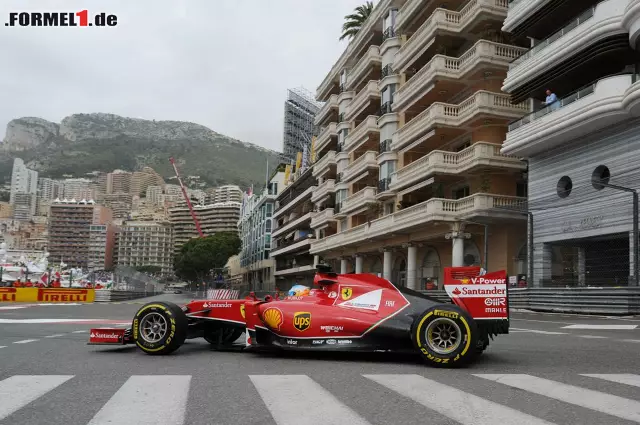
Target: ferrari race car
<point>344,312</point>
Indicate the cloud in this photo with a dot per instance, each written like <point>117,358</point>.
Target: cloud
<point>225,64</point>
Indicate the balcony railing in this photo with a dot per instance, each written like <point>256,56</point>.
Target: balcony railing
<point>386,108</point>
<point>383,184</point>
<point>385,145</point>
<point>319,218</point>
<point>560,103</point>
<point>361,132</point>
<point>584,17</point>
<point>386,71</point>
<point>362,163</point>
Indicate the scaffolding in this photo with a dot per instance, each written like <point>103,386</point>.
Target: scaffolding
<point>300,110</point>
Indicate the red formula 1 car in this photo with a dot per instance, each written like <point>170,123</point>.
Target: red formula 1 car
<point>348,312</point>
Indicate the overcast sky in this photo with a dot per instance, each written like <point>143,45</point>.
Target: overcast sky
<point>225,64</point>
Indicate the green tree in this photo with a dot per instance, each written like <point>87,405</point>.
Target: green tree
<point>200,256</point>
<point>149,269</point>
<point>354,21</point>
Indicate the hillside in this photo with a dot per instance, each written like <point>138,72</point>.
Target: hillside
<point>83,143</point>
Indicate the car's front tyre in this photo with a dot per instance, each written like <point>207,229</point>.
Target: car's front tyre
<point>159,328</point>
<point>445,336</point>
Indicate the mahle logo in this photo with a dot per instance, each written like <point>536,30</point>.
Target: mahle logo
<point>302,320</point>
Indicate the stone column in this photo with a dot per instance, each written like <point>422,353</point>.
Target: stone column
<point>387,264</point>
<point>542,264</point>
<point>316,260</point>
<point>412,259</point>
<point>359,262</point>
<point>582,269</point>
<point>457,237</point>
<point>343,266</point>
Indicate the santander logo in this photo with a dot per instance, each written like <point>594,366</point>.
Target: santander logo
<point>106,336</point>
<point>456,291</point>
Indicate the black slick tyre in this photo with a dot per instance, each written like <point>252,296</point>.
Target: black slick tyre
<point>159,328</point>
<point>445,336</point>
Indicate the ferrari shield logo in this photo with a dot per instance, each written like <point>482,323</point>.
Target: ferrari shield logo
<point>242,311</point>
<point>346,293</point>
<point>302,321</point>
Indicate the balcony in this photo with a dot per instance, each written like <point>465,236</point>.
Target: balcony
<point>384,189</point>
<point>325,189</point>
<point>361,133</point>
<point>294,202</point>
<point>295,270</point>
<point>292,247</point>
<point>360,165</point>
<point>291,226</point>
<point>320,218</point>
<point>596,106</point>
<point>364,66</point>
<point>324,164</point>
<point>441,67</point>
<point>328,109</point>
<point>443,20</point>
<point>435,209</point>
<point>519,11</point>
<point>480,154</point>
<point>408,11</point>
<point>358,200</point>
<point>362,100</point>
<point>592,26</point>
<point>325,136</point>
<point>444,114</point>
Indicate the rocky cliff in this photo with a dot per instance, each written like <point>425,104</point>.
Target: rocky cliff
<point>83,143</point>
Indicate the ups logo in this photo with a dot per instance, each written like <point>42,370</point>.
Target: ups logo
<point>302,321</point>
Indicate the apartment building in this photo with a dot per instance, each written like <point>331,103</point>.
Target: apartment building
<point>292,233</point>
<point>585,54</point>
<point>226,193</point>
<point>23,180</point>
<point>101,245</point>
<point>50,189</point>
<point>213,218</point>
<point>141,180</point>
<point>70,230</point>
<point>120,203</point>
<point>145,243</point>
<point>409,160</point>
<point>118,181</point>
<point>79,189</point>
<point>24,206</point>
<point>255,226</point>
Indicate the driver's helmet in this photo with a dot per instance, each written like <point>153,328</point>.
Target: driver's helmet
<point>299,291</point>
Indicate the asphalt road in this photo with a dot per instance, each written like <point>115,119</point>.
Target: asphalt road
<point>535,375</point>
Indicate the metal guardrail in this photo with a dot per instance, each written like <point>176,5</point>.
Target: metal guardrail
<point>106,296</point>
<point>607,301</point>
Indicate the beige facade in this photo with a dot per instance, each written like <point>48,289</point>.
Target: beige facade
<point>408,163</point>
<point>142,243</point>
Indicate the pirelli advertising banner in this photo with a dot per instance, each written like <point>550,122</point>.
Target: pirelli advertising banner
<point>47,295</point>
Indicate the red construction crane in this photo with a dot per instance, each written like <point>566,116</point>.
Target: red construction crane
<point>186,198</point>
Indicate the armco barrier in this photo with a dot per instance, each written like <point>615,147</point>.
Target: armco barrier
<point>607,301</point>
<point>105,296</point>
<point>47,295</point>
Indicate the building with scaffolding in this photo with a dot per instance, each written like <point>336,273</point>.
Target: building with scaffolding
<point>300,111</point>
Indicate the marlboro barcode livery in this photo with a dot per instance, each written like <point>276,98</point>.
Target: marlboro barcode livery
<point>350,312</point>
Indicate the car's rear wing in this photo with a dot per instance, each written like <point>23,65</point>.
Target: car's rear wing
<point>483,295</point>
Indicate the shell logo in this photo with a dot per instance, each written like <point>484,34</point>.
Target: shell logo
<point>242,311</point>
<point>273,318</point>
<point>465,280</point>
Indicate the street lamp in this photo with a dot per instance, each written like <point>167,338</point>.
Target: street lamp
<point>601,182</point>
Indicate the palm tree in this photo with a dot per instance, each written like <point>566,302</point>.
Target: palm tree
<point>355,21</point>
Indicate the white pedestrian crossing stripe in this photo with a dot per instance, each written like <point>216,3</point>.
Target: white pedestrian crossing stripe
<point>603,327</point>
<point>163,398</point>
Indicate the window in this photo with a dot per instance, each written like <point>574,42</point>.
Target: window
<point>564,186</point>
<point>600,176</point>
<point>463,146</point>
<point>387,168</point>
<point>387,94</point>
<point>460,193</point>
<point>521,189</point>
<point>343,135</point>
<point>390,19</point>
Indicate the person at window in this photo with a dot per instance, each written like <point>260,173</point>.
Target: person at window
<point>552,100</point>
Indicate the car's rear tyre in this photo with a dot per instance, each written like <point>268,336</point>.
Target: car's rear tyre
<point>229,335</point>
<point>445,336</point>
<point>159,328</point>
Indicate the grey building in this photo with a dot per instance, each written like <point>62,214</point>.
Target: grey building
<point>581,76</point>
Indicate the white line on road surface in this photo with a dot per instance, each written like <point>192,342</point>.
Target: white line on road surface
<point>25,341</point>
<point>602,327</point>
<point>137,401</point>
<point>12,307</point>
<point>619,378</point>
<point>79,332</point>
<point>592,336</point>
<point>18,391</point>
<point>24,321</point>
<point>455,404</point>
<point>54,336</point>
<point>3,346</point>
<point>277,391</point>
<point>631,340</point>
<point>594,400</point>
<point>535,331</point>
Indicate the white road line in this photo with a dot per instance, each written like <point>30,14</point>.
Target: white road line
<point>589,399</point>
<point>620,378</point>
<point>3,346</point>
<point>602,327</point>
<point>535,331</point>
<point>455,404</point>
<point>277,391</point>
<point>20,390</point>
<point>147,400</point>
<point>25,341</point>
<point>538,321</point>
<point>79,332</point>
<point>12,307</point>
<point>592,336</point>
<point>54,336</point>
<point>25,321</point>
<point>631,340</point>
